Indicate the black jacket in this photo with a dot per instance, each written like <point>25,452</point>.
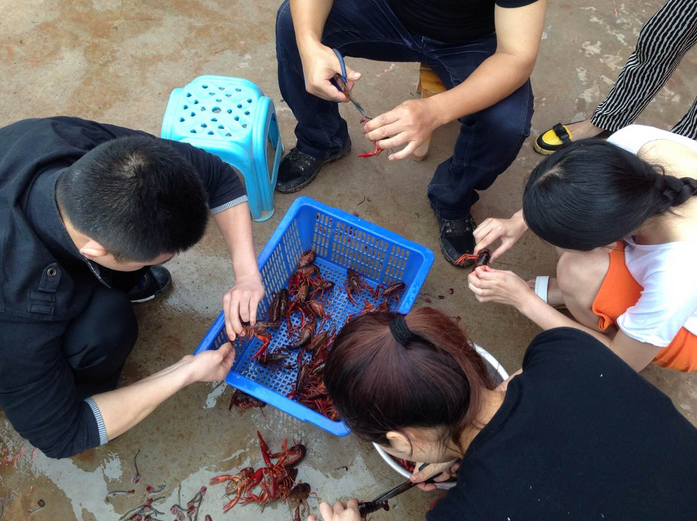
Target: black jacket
<point>45,282</point>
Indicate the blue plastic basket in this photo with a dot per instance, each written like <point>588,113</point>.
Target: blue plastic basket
<point>341,241</point>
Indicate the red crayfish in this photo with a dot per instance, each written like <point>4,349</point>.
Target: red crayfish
<point>276,479</point>
<point>390,291</point>
<point>376,149</point>
<point>259,330</point>
<point>355,284</point>
<point>481,259</point>
<point>243,401</point>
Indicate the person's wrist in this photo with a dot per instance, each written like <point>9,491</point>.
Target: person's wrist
<point>250,275</point>
<point>246,269</point>
<point>308,45</point>
<point>186,372</point>
<point>520,221</point>
<point>526,301</point>
<point>438,110</point>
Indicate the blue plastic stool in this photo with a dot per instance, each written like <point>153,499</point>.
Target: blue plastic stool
<point>231,118</point>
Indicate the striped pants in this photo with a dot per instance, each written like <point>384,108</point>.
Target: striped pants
<point>663,41</point>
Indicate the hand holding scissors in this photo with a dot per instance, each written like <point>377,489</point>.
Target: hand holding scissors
<point>320,67</point>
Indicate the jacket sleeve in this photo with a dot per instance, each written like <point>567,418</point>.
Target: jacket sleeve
<point>220,180</point>
<point>38,393</point>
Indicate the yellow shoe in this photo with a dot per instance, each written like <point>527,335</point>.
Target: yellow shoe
<point>558,136</point>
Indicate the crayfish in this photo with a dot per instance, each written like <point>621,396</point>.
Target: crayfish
<point>368,507</point>
<point>482,259</point>
<point>307,258</point>
<point>389,291</point>
<point>376,149</point>
<point>299,494</point>
<point>237,485</point>
<point>278,308</point>
<point>276,479</point>
<point>258,330</point>
<point>243,401</point>
<point>355,284</point>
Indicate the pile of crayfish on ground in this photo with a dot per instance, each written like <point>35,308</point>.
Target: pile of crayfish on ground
<point>273,482</point>
<point>310,295</point>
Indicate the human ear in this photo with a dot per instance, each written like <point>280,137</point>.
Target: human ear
<point>399,441</point>
<point>93,250</point>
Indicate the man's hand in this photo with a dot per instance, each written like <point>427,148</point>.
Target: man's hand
<point>509,231</point>
<point>502,287</point>
<point>320,65</point>
<point>409,123</point>
<point>240,303</point>
<point>338,512</point>
<point>442,471</point>
<point>211,365</point>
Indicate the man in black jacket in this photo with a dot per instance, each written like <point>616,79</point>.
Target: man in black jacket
<point>87,213</point>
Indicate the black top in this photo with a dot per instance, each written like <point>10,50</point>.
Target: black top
<point>451,21</point>
<point>45,282</point>
<point>580,436</point>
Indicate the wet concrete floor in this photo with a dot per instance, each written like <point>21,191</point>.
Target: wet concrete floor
<point>117,61</point>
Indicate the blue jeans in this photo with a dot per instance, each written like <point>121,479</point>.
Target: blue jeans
<point>489,140</point>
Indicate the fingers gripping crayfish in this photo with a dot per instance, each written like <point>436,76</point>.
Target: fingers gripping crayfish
<point>376,149</point>
<point>481,259</point>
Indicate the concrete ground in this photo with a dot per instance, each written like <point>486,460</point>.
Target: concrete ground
<point>117,61</point>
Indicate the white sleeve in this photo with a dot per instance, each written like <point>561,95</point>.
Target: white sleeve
<point>668,300</point>
<point>633,137</point>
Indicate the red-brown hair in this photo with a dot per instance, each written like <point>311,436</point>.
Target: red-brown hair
<point>379,385</point>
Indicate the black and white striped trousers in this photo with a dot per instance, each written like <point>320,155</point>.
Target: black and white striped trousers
<point>663,41</point>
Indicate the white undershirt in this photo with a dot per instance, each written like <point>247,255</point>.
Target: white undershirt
<point>667,272</point>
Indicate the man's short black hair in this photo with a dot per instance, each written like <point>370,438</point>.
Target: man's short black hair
<point>137,196</point>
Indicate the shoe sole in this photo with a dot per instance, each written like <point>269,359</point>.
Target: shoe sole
<point>154,295</point>
<point>547,152</point>
<point>303,185</point>
<point>543,151</point>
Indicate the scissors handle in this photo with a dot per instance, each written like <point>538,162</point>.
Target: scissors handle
<point>344,88</point>
<point>342,63</point>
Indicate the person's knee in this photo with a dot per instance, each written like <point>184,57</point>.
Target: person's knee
<point>508,126</point>
<point>119,327</point>
<point>285,31</point>
<point>106,332</point>
<point>578,272</point>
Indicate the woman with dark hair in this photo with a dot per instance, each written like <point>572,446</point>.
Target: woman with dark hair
<point>577,435</point>
<point>623,217</point>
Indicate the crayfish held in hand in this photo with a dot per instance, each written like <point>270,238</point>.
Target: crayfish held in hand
<point>481,259</point>
<point>376,149</point>
<point>259,330</point>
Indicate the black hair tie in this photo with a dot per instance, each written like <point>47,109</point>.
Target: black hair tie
<point>400,331</point>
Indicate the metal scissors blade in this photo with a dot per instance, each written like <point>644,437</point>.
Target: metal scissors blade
<point>344,88</point>
<point>395,491</point>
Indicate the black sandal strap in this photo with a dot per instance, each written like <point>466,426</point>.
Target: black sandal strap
<point>562,133</point>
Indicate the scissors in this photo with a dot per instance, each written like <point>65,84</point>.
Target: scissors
<point>340,81</point>
<point>379,502</point>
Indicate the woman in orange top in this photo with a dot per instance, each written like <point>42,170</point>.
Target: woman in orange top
<point>622,215</point>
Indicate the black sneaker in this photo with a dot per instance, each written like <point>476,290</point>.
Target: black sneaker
<point>297,170</point>
<point>456,238</point>
<point>153,284</point>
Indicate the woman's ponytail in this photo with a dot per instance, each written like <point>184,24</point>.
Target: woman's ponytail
<point>674,191</point>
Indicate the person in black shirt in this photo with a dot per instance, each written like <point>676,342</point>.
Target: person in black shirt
<point>483,51</point>
<point>576,435</point>
<point>87,212</point>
